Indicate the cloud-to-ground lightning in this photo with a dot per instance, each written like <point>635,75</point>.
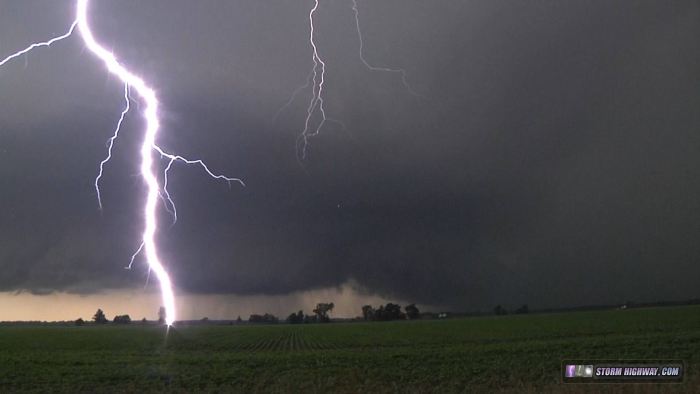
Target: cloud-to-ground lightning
<point>148,148</point>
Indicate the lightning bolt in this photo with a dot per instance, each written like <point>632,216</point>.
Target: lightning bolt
<point>148,147</point>
<point>318,72</point>
<point>39,45</point>
<point>402,72</point>
<point>110,144</point>
<point>317,78</point>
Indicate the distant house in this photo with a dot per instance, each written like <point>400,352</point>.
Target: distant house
<point>443,315</point>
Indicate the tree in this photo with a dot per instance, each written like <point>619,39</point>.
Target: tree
<point>412,312</point>
<point>296,318</point>
<point>239,320</point>
<point>380,314</point>
<point>292,318</point>
<point>389,311</point>
<point>368,312</point>
<point>144,321</point>
<point>100,317</point>
<point>499,310</point>
<point>79,322</point>
<point>393,311</point>
<point>523,309</point>
<point>161,315</point>
<point>122,319</point>
<point>266,318</point>
<point>310,319</point>
<point>322,310</point>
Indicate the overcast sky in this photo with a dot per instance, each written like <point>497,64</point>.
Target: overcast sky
<point>552,160</point>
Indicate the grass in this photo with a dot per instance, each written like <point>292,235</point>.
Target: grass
<point>510,353</point>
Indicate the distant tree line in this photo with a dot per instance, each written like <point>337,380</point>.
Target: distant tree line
<point>266,319</point>
<point>321,315</point>
<point>500,310</point>
<point>390,311</point>
<point>100,318</point>
<point>122,319</point>
<point>301,318</point>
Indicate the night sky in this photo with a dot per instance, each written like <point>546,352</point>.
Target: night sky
<point>552,160</point>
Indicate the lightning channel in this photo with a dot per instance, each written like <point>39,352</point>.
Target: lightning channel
<point>152,125</point>
<point>39,45</point>
<point>400,71</point>
<point>316,116</point>
<point>169,203</point>
<point>110,144</point>
<point>318,79</point>
<point>148,145</point>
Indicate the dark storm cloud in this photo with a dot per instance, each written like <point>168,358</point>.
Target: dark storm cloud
<point>553,162</point>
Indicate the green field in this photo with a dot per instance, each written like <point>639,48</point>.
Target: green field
<point>519,353</point>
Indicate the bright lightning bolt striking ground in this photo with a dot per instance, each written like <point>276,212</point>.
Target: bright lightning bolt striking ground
<point>130,80</point>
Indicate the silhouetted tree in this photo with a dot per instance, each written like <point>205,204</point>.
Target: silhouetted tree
<point>293,319</point>
<point>389,311</point>
<point>412,312</point>
<point>499,310</point>
<point>379,313</point>
<point>99,317</point>
<point>393,312</point>
<point>310,319</point>
<point>122,319</point>
<point>322,310</point>
<point>523,309</point>
<point>266,318</point>
<point>161,315</point>
<point>144,321</point>
<point>254,318</point>
<point>79,321</point>
<point>239,320</point>
<point>296,318</point>
<point>368,312</point>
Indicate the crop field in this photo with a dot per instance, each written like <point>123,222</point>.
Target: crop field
<point>517,353</point>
